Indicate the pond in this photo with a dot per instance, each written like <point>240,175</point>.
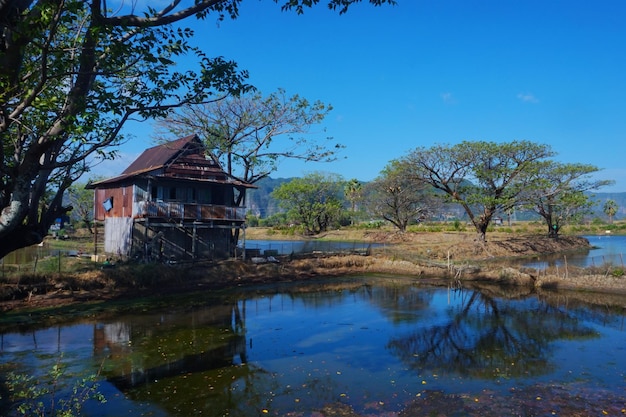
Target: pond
<point>359,346</point>
<point>606,249</point>
<point>286,247</point>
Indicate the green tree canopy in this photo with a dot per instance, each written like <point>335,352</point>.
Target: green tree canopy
<point>483,177</point>
<point>72,73</point>
<point>559,193</point>
<point>314,201</point>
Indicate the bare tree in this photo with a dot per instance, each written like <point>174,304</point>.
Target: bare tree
<point>399,198</point>
<point>251,134</point>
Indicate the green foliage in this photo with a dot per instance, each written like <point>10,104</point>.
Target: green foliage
<point>374,224</point>
<point>483,177</point>
<point>559,193</point>
<point>353,191</point>
<point>81,199</point>
<point>314,202</point>
<point>610,209</point>
<point>48,396</point>
<point>71,76</point>
<point>74,75</point>
<point>487,178</point>
<point>618,272</point>
<point>278,219</point>
<point>252,220</point>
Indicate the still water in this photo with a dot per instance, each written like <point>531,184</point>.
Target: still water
<point>370,346</point>
<point>606,249</point>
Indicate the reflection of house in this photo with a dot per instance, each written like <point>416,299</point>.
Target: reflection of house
<point>172,201</point>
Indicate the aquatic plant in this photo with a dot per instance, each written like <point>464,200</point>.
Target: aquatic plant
<point>48,395</point>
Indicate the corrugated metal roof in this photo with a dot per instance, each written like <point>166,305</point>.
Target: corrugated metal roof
<point>158,156</point>
<point>181,159</point>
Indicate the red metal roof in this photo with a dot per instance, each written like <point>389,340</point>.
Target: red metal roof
<point>183,158</point>
<point>158,156</point>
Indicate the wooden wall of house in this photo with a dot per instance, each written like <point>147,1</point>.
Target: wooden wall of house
<point>117,235</point>
<point>122,198</point>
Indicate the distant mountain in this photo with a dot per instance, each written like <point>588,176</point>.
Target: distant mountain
<point>601,198</point>
<point>259,201</point>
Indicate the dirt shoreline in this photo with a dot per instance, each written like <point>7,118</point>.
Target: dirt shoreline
<point>436,258</point>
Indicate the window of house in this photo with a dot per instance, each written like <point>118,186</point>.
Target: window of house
<point>191,195</point>
<point>204,196</point>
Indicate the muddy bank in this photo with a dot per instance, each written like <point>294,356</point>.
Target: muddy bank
<point>437,258</point>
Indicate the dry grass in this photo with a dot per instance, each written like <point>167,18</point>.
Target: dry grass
<point>452,255</point>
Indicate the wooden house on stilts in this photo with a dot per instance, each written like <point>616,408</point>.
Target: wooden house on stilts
<point>173,202</point>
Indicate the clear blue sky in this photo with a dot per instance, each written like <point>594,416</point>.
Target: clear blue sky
<point>428,72</point>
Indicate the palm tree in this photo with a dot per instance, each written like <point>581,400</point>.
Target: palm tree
<point>610,209</point>
<point>353,192</point>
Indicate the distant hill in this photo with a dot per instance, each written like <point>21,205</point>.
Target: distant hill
<point>260,203</point>
<point>619,198</point>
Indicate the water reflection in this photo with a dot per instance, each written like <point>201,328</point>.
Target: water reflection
<point>170,357</point>
<point>489,338</point>
<point>605,250</point>
<point>370,345</point>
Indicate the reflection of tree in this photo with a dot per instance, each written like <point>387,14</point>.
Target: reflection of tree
<point>604,309</point>
<point>400,303</point>
<point>486,338</point>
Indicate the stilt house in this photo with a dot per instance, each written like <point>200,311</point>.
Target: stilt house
<point>173,202</point>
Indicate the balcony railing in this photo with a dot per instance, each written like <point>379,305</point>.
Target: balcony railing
<point>190,211</point>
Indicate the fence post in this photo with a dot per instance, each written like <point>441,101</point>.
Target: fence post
<point>566,271</point>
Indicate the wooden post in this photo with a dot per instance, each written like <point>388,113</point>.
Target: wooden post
<point>194,238</point>
<point>95,240</point>
<point>243,255</point>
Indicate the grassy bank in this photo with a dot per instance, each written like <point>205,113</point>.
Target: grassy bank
<point>424,253</point>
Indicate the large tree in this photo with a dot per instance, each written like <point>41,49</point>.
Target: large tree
<point>399,198</point>
<point>483,177</point>
<point>72,73</point>
<point>251,134</point>
<point>314,201</point>
<point>559,193</point>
